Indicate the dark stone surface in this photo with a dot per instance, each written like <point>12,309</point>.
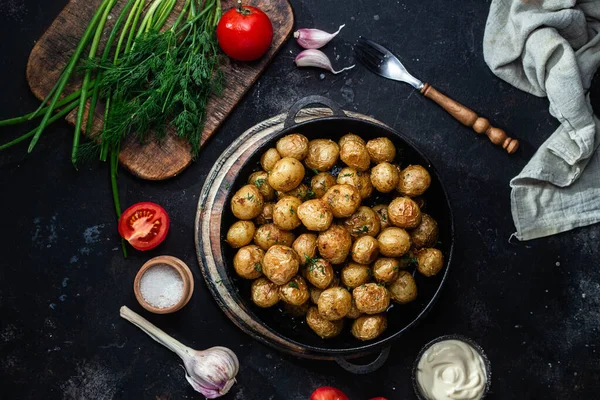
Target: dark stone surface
<point>534,306</point>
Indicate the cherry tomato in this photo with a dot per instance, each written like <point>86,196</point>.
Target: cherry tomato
<point>328,393</point>
<point>144,225</point>
<point>245,33</point>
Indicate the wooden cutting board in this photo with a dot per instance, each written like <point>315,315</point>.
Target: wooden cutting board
<point>151,160</point>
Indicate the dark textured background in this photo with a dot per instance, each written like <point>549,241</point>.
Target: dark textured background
<point>533,306</point>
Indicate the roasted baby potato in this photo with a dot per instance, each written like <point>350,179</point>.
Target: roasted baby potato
<point>348,176</point>
<point>368,327</point>
<point>319,273</point>
<point>306,247</point>
<point>343,200</point>
<point>315,294</point>
<point>322,326</point>
<point>414,181</point>
<point>403,212</point>
<point>280,264</point>
<point>354,275</point>
<point>294,145</point>
<point>247,203</point>
<point>365,250</point>
<point>381,150</point>
<point>321,183</point>
<point>260,180</point>
<point>360,180</point>
<point>365,187</point>
<point>286,174</point>
<point>393,242</point>
<point>301,191</point>
<point>322,154</point>
<point>386,270</point>
<point>429,261</point>
<point>355,155</point>
<point>295,292</point>
<point>363,222</point>
<point>248,262</point>
<point>285,213</point>
<point>240,234</point>
<point>384,177</point>
<point>404,289</point>
<point>266,215</point>
<point>264,293</point>
<point>315,215</point>
<point>269,159</point>
<point>371,298</point>
<point>382,212</point>
<point>334,244</point>
<point>350,136</point>
<point>426,233</point>
<point>334,303</point>
<point>270,234</point>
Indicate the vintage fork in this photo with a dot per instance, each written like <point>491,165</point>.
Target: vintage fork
<point>381,61</point>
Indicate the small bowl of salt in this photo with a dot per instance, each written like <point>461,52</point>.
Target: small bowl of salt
<point>163,285</point>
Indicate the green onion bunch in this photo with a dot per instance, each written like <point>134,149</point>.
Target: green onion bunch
<point>148,75</point>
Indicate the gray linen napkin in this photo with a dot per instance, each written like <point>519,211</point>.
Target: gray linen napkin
<point>552,48</point>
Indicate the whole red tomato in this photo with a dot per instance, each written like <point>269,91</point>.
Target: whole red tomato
<point>328,393</point>
<point>245,33</point>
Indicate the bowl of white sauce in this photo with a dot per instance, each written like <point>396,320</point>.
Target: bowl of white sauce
<point>452,367</point>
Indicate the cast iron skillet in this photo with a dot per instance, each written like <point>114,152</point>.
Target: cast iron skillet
<point>272,326</point>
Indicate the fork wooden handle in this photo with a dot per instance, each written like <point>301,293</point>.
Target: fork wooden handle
<point>469,118</point>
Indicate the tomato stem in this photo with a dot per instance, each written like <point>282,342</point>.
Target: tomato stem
<point>242,10</point>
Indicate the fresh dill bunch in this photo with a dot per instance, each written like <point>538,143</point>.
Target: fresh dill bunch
<point>166,78</point>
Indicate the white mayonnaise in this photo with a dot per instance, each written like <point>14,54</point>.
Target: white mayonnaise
<point>451,370</point>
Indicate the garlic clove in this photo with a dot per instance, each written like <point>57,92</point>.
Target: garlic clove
<point>318,59</point>
<point>314,38</point>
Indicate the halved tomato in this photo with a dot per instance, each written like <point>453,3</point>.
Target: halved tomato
<point>144,225</point>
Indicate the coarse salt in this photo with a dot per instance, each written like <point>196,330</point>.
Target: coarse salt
<point>161,286</point>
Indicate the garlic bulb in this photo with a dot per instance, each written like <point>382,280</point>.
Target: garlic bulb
<point>314,38</point>
<point>211,372</point>
<point>316,58</point>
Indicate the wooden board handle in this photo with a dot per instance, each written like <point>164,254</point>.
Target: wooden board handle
<point>469,118</point>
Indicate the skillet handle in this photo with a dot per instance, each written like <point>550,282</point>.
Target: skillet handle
<point>290,119</point>
<point>366,368</point>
